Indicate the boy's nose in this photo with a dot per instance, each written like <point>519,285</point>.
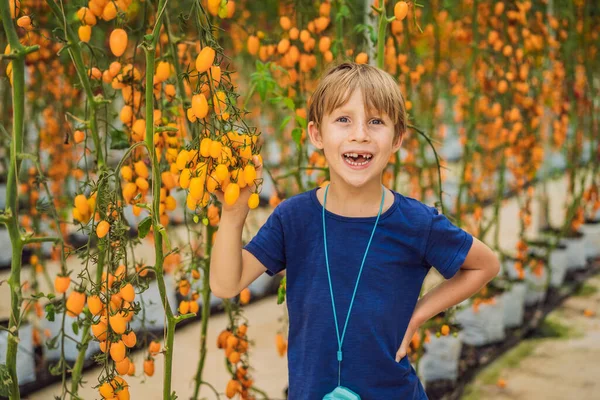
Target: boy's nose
<point>360,133</point>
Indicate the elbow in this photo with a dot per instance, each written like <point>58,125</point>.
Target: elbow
<point>220,293</point>
<point>217,291</point>
<point>226,291</point>
<point>495,268</point>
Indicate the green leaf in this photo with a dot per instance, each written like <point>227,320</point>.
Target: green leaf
<point>261,66</point>
<point>75,327</point>
<point>52,343</point>
<point>297,135</point>
<point>50,312</point>
<point>56,369</point>
<point>281,291</point>
<point>285,121</point>
<point>261,88</point>
<point>276,100</point>
<point>373,36</point>
<point>359,28</point>
<point>144,227</point>
<point>289,103</point>
<point>301,121</point>
<point>118,140</point>
<point>344,12</point>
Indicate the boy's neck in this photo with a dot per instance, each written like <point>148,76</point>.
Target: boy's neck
<point>351,201</point>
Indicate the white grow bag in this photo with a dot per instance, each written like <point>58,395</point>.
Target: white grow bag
<point>558,261</point>
<point>535,290</point>
<point>484,326</point>
<point>440,361</point>
<point>575,253</point>
<point>25,353</point>
<point>536,287</point>
<point>71,351</point>
<point>514,305</point>
<point>591,236</point>
<point>152,309</point>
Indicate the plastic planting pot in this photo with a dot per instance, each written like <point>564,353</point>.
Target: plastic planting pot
<point>514,305</point>
<point>539,248</point>
<point>536,287</point>
<point>440,361</point>
<point>484,326</point>
<point>558,262</point>
<point>152,315</point>
<point>575,252</point>
<point>25,353</point>
<point>508,268</point>
<point>5,248</point>
<point>535,290</point>
<point>70,350</point>
<point>591,234</point>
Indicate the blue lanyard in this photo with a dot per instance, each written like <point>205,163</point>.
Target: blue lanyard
<point>340,341</point>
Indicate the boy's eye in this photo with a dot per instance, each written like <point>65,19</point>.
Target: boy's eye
<point>378,121</point>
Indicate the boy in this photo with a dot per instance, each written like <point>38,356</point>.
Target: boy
<point>353,245</point>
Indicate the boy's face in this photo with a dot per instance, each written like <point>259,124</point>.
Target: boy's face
<point>352,128</point>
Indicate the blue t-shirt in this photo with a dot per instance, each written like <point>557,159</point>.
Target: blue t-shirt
<point>409,239</point>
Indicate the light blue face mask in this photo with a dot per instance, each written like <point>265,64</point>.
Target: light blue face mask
<point>341,392</point>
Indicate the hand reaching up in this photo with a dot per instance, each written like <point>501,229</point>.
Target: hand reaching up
<point>235,203</point>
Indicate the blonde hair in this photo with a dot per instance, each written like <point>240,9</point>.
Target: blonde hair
<point>379,89</point>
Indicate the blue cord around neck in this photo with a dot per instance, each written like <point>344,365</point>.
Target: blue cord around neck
<point>341,340</point>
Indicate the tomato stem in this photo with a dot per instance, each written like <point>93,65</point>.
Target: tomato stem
<point>11,215</point>
<point>149,49</point>
<point>205,310</point>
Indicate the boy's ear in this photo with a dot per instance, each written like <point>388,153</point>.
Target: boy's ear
<point>396,146</point>
<point>315,135</point>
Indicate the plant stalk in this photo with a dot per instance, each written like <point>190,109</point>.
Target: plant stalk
<point>205,311</point>
<point>149,46</point>
<point>12,206</point>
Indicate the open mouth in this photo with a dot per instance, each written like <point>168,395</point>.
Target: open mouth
<point>357,159</point>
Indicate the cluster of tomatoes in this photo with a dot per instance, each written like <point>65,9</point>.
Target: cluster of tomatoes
<point>235,344</point>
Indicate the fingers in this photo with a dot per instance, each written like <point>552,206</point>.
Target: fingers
<point>259,169</point>
<point>257,164</point>
<point>220,196</point>
<point>400,354</point>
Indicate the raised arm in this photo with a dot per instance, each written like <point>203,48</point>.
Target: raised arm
<point>232,268</point>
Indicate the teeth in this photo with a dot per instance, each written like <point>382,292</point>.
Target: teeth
<point>367,156</point>
<point>356,163</point>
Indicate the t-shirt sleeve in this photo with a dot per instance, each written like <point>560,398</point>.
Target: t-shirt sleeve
<point>268,244</point>
<point>447,245</point>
